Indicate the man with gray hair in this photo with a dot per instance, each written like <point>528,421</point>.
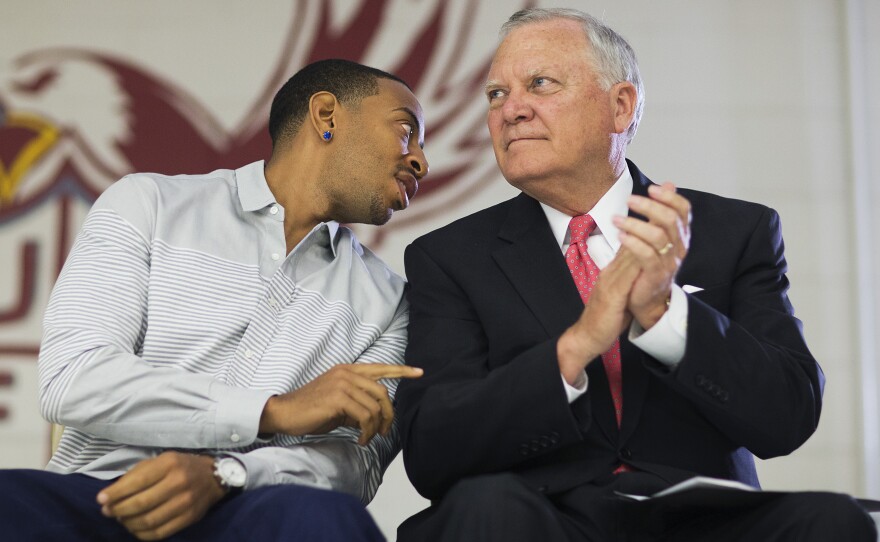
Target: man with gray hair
<point>600,333</point>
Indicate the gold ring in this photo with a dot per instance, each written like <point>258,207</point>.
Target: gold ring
<point>665,249</point>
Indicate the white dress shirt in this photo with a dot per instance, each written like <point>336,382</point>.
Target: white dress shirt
<point>665,341</point>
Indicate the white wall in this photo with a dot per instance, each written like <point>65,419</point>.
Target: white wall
<point>749,99</point>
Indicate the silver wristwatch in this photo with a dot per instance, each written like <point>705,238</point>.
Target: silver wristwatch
<point>230,473</point>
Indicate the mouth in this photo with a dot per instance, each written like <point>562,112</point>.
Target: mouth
<point>521,139</point>
<point>407,185</point>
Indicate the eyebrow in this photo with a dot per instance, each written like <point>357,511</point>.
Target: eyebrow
<point>492,84</point>
<point>415,121</point>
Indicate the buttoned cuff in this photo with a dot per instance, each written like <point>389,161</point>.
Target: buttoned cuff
<point>237,419</point>
<point>666,340</point>
<point>579,388</point>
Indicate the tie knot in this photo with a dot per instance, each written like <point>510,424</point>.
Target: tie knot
<point>581,227</point>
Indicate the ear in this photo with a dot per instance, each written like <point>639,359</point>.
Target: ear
<point>323,108</point>
<point>623,104</point>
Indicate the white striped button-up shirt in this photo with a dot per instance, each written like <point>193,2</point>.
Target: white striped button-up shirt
<point>179,313</point>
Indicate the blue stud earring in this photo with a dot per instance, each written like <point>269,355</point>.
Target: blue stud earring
<point>327,136</point>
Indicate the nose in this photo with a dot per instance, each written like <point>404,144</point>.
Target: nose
<point>418,162</point>
<point>516,107</point>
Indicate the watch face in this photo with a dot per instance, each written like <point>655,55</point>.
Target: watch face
<point>232,472</point>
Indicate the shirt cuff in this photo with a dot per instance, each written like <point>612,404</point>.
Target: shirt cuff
<point>666,340</point>
<point>579,388</point>
<point>237,419</point>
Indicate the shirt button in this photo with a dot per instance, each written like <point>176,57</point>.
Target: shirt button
<point>248,353</point>
<point>276,256</point>
<point>235,437</point>
<point>273,210</point>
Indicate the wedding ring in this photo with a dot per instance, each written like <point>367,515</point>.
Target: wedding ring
<point>665,249</point>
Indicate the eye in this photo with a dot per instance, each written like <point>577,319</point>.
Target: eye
<point>408,130</point>
<point>494,94</point>
<point>540,82</point>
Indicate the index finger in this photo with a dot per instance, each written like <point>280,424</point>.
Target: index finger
<point>377,371</point>
<point>132,482</point>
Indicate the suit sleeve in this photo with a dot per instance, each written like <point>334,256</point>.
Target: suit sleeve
<point>747,368</point>
<point>450,405</point>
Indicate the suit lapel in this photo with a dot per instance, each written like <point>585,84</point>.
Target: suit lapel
<point>535,267</point>
<point>635,376</point>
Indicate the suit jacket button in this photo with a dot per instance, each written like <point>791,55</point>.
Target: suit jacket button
<point>626,454</point>
<point>543,489</point>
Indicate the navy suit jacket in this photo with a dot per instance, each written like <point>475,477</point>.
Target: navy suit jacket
<point>490,295</point>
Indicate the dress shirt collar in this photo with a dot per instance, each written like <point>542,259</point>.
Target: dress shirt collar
<point>614,202</point>
<point>253,190</point>
<point>255,195</point>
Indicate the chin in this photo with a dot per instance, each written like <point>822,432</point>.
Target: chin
<point>379,219</point>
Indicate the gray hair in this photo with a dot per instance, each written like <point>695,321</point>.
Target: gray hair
<point>614,59</point>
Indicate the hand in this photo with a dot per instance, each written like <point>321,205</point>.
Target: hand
<point>346,395</point>
<point>161,496</point>
<point>659,245</point>
<point>604,317</point>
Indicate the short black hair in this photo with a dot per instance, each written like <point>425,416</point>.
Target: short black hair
<point>349,81</point>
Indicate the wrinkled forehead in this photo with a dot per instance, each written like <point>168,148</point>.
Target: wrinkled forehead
<point>540,43</point>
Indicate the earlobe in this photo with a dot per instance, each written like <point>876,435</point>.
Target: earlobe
<point>323,108</point>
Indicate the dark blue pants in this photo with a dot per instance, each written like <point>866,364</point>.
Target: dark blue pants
<point>38,506</point>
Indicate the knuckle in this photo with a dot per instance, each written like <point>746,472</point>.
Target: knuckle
<point>174,459</point>
<point>177,477</point>
<point>147,523</point>
<point>187,499</point>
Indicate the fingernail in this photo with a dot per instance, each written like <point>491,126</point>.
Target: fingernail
<point>106,511</point>
<point>102,498</point>
<point>617,220</point>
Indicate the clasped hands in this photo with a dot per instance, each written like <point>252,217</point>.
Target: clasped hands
<point>637,284</point>
<point>160,496</point>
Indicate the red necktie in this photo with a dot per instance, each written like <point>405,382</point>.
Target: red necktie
<point>584,271</point>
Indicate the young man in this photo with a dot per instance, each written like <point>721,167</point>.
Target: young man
<point>222,352</point>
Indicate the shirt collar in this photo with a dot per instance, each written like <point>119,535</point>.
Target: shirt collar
<point>612,203</point>
<point>254,194</point>
<point>332,228</point>
<point>253,190</point>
